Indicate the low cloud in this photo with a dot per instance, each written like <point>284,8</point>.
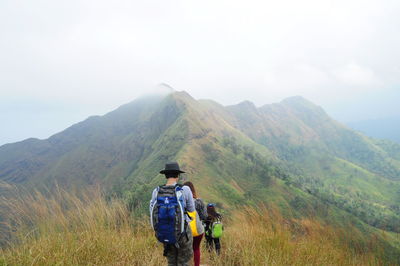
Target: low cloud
<point>357,76</point>
<point>100,54</point>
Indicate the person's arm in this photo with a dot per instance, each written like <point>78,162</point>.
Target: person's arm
<point>188,196</point>
<point>207,223</point>
<point>153,199</point>
<point>202,210</point>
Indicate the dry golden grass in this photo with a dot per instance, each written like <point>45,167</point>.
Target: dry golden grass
<point>63,228</point>
<point>263,237</point>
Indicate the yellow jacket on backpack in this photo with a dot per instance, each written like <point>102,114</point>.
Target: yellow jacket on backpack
<point>195,224</point>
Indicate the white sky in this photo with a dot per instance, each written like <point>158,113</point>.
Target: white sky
<point>61,61</point>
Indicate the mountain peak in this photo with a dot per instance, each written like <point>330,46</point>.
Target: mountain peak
<point>300,103</point>
<point>182,96</point>
<point>244,105</point>
<point>296,99</point>
<point>247,103</point>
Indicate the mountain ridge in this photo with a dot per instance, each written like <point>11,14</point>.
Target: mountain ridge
<point>277,153</point>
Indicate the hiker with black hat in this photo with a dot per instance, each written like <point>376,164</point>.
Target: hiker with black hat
<point>169,206</point>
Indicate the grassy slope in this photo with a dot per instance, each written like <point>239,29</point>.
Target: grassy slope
<point>326,158</point>
<point>232,169</point>
<point>249,175</point>
<point>94,151</point>
<point>66,228</point>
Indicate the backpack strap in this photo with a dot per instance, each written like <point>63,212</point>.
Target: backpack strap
<point>152,206</point>
<point>187,213</point>
<point>179,196</point>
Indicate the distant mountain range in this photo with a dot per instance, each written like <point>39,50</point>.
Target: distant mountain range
<point>384,128</point>
<point>291,154</point>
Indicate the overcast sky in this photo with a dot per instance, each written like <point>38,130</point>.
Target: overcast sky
<point>61,61</point>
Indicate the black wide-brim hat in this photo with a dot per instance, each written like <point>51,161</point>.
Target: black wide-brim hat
<point>172,167</point>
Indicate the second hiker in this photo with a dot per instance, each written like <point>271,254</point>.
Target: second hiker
<point>197,223</point>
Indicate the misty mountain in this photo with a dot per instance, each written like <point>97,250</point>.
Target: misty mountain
<point>290,153</point>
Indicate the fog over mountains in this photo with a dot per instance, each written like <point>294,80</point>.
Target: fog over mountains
<point>327,159</point>
<point>284,152</point>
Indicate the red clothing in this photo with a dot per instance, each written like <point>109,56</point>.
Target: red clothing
<point>196,249</point>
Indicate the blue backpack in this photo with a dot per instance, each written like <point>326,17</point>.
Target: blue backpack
<point>167,215</point>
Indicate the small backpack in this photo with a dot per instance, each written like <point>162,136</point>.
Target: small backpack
<point>217,229</point>
<point>167,214</point>
<point>195,224</point>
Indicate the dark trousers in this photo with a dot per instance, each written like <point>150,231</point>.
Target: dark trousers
<point>196,249</point>
<point>180,256</point>
<point>211,242</point>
